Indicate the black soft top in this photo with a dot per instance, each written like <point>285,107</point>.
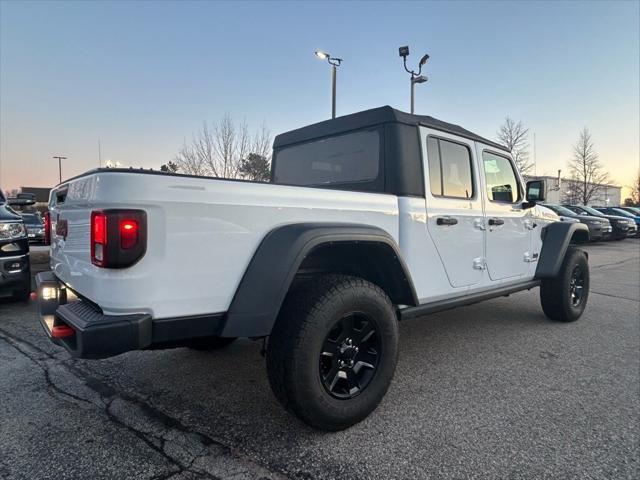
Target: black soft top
<point>375,116</point>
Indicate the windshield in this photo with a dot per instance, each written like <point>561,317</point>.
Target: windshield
<point>31,218</point>
<point>623,213</point>
<point>560,210</point>
<point>591,211</point>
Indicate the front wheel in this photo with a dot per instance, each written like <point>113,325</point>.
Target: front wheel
<point>333,351</point>
<point>564,297</point>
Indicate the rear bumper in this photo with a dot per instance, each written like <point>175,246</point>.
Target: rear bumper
<point>96,335</point>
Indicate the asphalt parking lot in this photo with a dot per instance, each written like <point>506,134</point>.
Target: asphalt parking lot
<point>493,390</point>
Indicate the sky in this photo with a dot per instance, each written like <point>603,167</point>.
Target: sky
<point>141,77</point>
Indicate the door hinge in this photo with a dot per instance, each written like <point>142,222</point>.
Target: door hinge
<point>530,257</point>
<point>479,263</point>
<point>479,224</point>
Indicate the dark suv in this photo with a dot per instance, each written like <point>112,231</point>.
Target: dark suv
<point>619,224</point>
<point>15,274</point>
<point>634,230</point>
<point>599,228</point>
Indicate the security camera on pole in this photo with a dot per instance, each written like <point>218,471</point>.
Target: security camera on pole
<point>415,77</point>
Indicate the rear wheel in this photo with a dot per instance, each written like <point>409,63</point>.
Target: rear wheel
<point>564,297</point>
<point>333,351</point>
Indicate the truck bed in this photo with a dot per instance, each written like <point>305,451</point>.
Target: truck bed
<point>202,233</point>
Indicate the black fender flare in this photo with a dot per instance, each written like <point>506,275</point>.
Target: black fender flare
<point>556,238</point>
<point>268,277</point>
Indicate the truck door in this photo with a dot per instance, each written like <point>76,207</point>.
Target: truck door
<point>508,224</point>
<point>454,206</point>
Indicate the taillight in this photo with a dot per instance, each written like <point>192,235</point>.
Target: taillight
<point>118,237</point>
<point>128,233</point>
<point>47,228</point>
<point>98,238</point>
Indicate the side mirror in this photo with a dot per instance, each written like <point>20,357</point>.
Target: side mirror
<point>536,192</point>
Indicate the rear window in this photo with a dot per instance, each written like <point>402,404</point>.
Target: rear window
<point>31,218</point>
<point>350,158</point>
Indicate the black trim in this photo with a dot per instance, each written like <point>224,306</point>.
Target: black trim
<point>270,273</point>
<point>556,238</point>
<point>376,116</point>
<point>450,303</point>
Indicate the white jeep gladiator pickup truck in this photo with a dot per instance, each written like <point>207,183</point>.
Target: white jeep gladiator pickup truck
<point>368,219</point>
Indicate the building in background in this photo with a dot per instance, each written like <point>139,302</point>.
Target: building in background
<point>605,195</point>
<point>42,197</point>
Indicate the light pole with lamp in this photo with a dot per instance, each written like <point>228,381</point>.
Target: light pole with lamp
<point>415,77</point>
<point>335,63</point>
<point>60,166</point>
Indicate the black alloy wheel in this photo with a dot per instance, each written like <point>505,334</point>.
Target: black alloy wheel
<point>576,285</point>
<point>350,355</point>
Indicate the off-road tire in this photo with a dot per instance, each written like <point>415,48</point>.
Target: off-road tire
<point>310,312</point>
<point>210,343</point>
<point>556,293</point>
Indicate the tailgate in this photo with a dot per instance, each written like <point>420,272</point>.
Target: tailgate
<point>71,205</point>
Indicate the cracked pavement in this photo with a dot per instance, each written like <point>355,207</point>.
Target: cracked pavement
<point>487,391</point>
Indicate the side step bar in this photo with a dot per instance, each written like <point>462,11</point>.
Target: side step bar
<point>450,303</point>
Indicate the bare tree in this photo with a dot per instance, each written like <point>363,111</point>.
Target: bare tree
<point>570,192</point>
<point>586,170</point>
<point>219,150</point>
<point>514,136</point>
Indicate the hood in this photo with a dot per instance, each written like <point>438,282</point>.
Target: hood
<point>7,213</point>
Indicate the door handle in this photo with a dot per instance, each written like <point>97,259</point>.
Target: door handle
<point>496,221</point>
<point>446,221</point>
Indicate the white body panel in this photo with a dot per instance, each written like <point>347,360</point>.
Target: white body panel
<point>202,234</point>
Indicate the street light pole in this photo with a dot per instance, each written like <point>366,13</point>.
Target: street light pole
<point>334,70</point>
<point>415,77</point>
<point>60,166</point>
<point>335,63</point>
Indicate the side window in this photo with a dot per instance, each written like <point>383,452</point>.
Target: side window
<point>450,173</point>
<point>502,183</point>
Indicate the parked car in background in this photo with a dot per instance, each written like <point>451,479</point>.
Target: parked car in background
<point>632,210</point>
<point>599,227</point>
<point>35,227</point>
<point>633,232</point>
<point>15,274</point>
<point>620,225</point>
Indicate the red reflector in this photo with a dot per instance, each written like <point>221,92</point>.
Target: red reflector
<point>62,331</point>
<point>33,296</point>
<point>47,228</point>
<point>128,233</point>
